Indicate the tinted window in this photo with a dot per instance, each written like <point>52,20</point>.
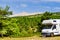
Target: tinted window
<point>54,27</point>
<point>47,27</point>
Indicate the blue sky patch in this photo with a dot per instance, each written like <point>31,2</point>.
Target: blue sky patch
<point>31,6</point>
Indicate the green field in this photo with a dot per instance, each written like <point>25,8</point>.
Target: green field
<point>32,38</point>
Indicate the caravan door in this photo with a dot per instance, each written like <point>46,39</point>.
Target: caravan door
<point>55,30</point>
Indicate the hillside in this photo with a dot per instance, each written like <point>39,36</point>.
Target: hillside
<point>25,14</point>
<point>25,25</point>
<point>34,15</point>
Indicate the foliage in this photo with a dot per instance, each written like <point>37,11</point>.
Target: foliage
<point>3,23</point>
<point>22,26</point>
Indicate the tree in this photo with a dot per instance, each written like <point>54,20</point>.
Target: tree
<point>45,16</point>
<point>3,13</point>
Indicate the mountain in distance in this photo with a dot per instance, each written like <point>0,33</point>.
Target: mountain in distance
<point>25,14</point>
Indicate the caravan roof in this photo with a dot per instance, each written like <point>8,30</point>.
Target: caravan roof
<point>51,21</point>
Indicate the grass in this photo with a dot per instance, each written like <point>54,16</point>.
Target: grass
<point>32,38</point>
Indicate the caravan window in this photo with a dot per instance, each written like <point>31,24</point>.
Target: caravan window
<point>47,26</point>
<point>54,27</point>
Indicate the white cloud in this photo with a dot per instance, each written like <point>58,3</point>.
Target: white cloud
<point>21,0</point>
<point>27,13</point>
<point>34,1</point>
<point>51,0</point>
<point>23,5</point>
<point>37,1</point>
<point>56,9</point>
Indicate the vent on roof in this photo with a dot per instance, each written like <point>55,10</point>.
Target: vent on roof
<point>54,20</point>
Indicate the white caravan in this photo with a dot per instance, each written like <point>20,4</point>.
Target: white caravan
<point>51,27</point>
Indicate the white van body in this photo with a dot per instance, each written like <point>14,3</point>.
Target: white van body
<point>54,28</point>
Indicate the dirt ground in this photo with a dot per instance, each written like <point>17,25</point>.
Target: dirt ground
<point>32,38</point>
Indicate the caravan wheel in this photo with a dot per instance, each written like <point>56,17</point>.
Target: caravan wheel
<point>52,34</point>
<point>43,35</point>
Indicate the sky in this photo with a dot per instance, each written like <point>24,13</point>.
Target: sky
<point>18,6</point>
